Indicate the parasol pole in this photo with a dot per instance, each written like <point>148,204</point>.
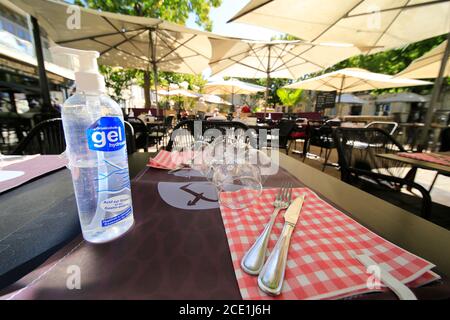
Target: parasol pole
<point>154,67</point>
<point>423,140</point>
<point>43,80</point>
<point>267,84</point>
<point>232,97</point>
<point>340,95</point>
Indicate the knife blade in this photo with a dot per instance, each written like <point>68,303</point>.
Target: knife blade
<point>293,212</point>
<point>270,279</point>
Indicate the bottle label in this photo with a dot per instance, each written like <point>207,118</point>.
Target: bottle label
<point>113,192</point>
<point>106,134</point>
<point>110,221</point>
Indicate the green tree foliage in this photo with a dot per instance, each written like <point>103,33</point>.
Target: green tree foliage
<point>170,10</point>
<point>196,82</point>
<point>274,85</point>
<point>176,11</point>
<point>389,62</point>
<point>290,97</point>
<point>118,79</point>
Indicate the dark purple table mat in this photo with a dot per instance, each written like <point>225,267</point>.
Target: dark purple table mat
<point>32,168</point>
<point>170,253</point>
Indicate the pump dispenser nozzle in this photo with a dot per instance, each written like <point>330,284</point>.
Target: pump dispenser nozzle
<point>88,77</point>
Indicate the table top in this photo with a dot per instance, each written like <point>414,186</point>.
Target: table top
<point>40,217</point>
<point>394,224</point>
<point>442,169</point>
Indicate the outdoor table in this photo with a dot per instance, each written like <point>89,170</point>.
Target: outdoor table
<point>441,169</point>
<point>39,217</point>
<point>184,254</point>
<point>422,164</point>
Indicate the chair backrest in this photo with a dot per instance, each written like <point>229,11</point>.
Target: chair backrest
<point>333,123</point>
<point>358,149</point>
<point>13,128</point>
<point>140,133</point>
<point>445,140</point>
<point>315,123</point>
<point>320,133</point>
<point>168,120</point>
<point>276,116</point>
<point>389,126</point>
<point>286,127</point>
<point>138,124</point>
<point>185,134</point>
<point>131,140</point>
<point>301,120</point>
<point>45,138</point>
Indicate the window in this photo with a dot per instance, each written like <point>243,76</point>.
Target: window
<point>15,29</point>
<point>8,26</point>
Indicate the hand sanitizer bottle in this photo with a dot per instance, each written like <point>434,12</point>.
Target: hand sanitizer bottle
<point>96,148</point>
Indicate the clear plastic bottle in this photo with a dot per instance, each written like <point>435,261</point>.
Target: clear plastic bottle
<point>96,149</point>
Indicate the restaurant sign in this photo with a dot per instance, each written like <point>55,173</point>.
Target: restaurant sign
<point>325,100</point>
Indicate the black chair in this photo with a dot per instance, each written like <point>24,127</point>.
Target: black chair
<point>131,139</point>
<point>162,131</point>
<point>185,133</point>
<point>445,140</point>
<point>360,166</point>
<point>140,133</point>
<point>320,134</point>
<point>45,138</point>
<point>156,133</point>
<point>13,129</point>
<point>285,129</point>
<point>389,126</point>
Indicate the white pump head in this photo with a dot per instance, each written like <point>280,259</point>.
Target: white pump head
<point>88,77</point>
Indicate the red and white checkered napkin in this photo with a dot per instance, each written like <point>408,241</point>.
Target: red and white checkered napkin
<point>169,160</point>
<point>320,261</point>
<point>430,157</point>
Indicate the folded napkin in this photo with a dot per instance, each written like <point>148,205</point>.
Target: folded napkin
<point>169,160</point>
<point>429,157</point>
<point>320,261</point>
<point>23,170</point>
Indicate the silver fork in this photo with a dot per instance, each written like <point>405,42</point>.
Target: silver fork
<point>253,260</point>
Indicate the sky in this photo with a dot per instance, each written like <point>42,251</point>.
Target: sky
<point>226,11</point>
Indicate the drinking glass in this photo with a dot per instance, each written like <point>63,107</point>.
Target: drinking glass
<point>243,178</point>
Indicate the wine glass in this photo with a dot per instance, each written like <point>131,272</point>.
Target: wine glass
<point>243,178</point>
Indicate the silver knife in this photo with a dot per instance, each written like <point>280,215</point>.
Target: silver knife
<point>270,279</point>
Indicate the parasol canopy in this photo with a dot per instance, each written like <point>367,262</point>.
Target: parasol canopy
<point>226,87</point>
<point>353,80</point>
<point>427,66</point>
<point>376,25</point>
<point>274,59</point>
